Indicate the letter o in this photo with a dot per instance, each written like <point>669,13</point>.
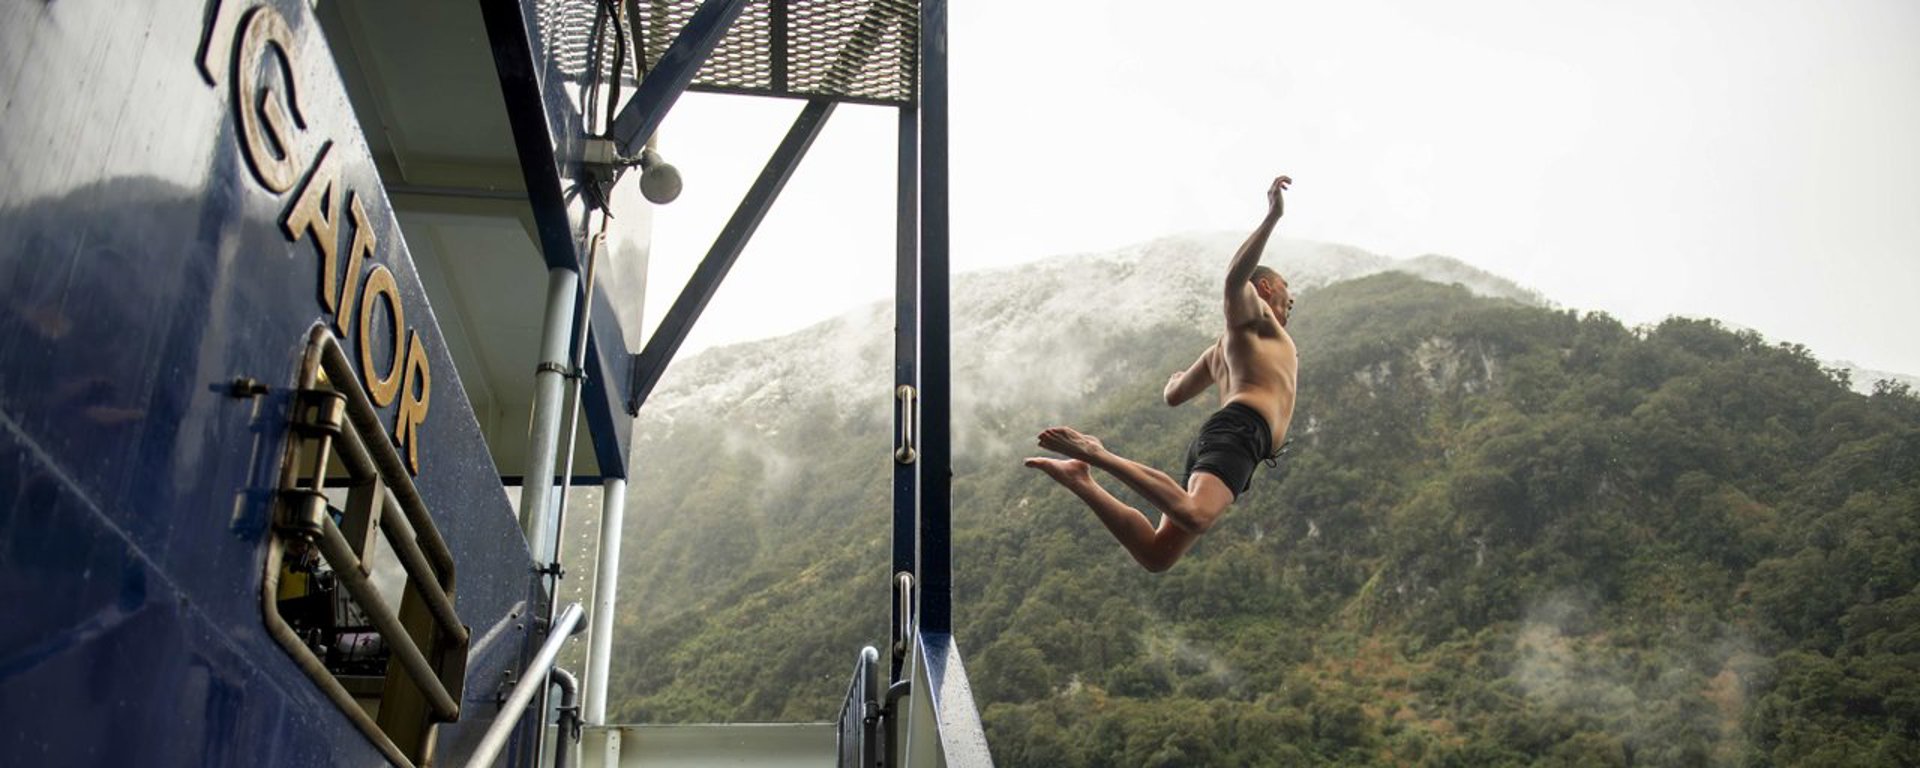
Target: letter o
<point>381,389</point>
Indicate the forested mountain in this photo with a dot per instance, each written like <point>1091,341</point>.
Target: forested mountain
<point>1505,534</point>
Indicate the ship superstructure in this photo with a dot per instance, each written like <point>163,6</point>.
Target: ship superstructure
<point>320,316</point>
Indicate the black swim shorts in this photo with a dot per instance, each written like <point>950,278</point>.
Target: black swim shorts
<point>1231,443</point>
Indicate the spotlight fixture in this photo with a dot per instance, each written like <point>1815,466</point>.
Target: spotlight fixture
<point>659,180</point>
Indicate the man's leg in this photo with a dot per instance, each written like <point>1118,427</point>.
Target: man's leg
<point>1194,508</point>
<point>1156,548</point>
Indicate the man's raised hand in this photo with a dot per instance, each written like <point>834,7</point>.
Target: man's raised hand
<point>1276,204</point>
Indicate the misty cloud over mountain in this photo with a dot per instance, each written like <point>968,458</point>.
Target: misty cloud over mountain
<point>999,316</point>
<point>999,346</point>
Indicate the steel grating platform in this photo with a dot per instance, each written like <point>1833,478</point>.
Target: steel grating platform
<point>847,50</point>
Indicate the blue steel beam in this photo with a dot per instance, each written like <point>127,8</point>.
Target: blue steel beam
<point>672,74</point>
<point>652,361</point>
<point>547,131</point>
<point>906,329</point>
<point>608,368</point>
<point>936,477</point>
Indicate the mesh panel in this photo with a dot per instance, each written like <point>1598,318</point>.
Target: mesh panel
<point>741,60</point>
<point>566,34</point>
<point>854,49</point>
<point>863,49</point>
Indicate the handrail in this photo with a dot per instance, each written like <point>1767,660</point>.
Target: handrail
<point>424,555</point>
<point>908,397</point>
<point>903,613</point>
<point>347,569</point>
<point>406,542</point>
<point>857,731</point>
<point>338,420</point>
<point>418,546</point>
<point>534,679</point>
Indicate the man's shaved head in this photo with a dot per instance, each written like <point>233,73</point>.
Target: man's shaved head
<point>1273,290</point>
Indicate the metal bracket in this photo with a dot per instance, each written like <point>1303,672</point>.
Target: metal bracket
<point>508,679</point>
<point>601,166</point>
<point>319,412</point>
<point>318,416</point>
<point>302,514</point>
<point>246,387</point>
<point>599,151</point>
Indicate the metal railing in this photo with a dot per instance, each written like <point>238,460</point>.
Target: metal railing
<point>332,423</point>
<point>531,682</point>
<point>860,745</point>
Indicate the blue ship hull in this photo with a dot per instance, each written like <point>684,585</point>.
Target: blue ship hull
<point>145,267</point>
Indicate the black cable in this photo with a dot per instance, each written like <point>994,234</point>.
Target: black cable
<point>613,12</point>
<point>591,79</point>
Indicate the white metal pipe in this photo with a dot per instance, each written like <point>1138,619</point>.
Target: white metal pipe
<point>548,385</point>
<point>532,681</point>
<point>606,581</point>
<point>568,726</point>
<point>576,362</point>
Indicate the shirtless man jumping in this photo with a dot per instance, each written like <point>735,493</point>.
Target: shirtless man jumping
<point>1255,365</point>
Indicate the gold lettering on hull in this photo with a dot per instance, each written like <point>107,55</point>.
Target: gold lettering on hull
<point>317,209</point>
<point>381,388</point>
<point>357,255</point>
<point>269,128</point>
<point>273,163</point>
<point>415,392</point>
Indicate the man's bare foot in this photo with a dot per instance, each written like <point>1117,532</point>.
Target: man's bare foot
<point>1068,472</point>
<point>1067,441</point>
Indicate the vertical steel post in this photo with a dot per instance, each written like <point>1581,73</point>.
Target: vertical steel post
<point>548,383</point>
<point>906,328</point>
<point>606,581</point>
<point>936,478</point>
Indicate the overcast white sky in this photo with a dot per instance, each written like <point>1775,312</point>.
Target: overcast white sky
<point>1753,161</point>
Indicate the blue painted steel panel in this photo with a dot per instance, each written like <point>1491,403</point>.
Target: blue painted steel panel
<point>142,267</point>
<point>112,663</point>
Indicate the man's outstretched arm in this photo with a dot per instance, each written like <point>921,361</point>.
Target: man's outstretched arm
<point>1183,386</point>
<point>1243,304</point>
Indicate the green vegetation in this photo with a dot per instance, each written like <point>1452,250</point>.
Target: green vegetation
<point>1504,535</point>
